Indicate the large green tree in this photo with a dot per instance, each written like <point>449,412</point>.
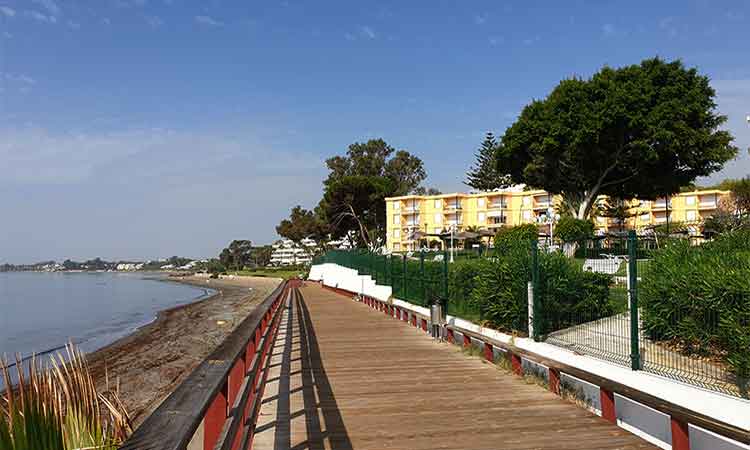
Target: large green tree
<point>358,183</point>
<point>484,175</point>
<point>301,224</point>
<point>357,203</point>
<point>375,158</point>
<point>741,195</point>
<point>641,131</point>
<point>237,255</point>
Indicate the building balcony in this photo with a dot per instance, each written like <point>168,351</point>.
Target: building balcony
<point>410,209</point>
<point>661,205</point>
<point>708,205</point>
<point>497,206</point>
<point>493,225</point>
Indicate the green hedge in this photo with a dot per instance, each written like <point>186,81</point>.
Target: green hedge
<point>494,290</point>
<point>498,287</point>
<point>698,298</point>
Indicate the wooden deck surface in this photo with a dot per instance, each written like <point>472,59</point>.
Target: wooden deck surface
<point>344,376</point>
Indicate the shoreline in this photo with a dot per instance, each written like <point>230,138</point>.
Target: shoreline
<point>207,294</point>
<point>149,363</point>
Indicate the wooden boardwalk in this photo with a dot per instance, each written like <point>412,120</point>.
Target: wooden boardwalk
<point>343,376</point>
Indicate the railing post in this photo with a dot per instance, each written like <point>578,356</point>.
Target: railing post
<point>215,418</point>
<point>635,349</point>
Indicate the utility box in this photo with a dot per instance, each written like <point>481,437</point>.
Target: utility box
<point>436,314</point>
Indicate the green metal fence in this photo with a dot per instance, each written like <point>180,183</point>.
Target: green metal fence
<point>585,298</point>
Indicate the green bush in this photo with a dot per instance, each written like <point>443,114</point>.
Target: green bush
<point>506,238</point>
<point>566,293</point>
<point>570,229</point>
<point>698,298</point>
<point>463,277</point>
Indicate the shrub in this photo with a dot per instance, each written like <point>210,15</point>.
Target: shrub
<point>506,238</point>
<point>59,408</point>
<point>699,298</point>
<point>570,229</point>
<point>565,291</point>
<point>463,277</point>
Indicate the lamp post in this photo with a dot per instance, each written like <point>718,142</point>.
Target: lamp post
<point>550,218</point>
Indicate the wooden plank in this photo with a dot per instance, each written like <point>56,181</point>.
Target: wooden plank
<point>678,412</point>
<point>346,377</point>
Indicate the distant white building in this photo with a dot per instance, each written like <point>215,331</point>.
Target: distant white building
<point>287,253</point>
<point>192,264</point>
<point>52,267</point>
<point>129,267</point>
<point>345,243</point>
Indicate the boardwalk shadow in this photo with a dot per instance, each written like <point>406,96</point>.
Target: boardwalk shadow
<point>314,380</point>
<point>323,421</point>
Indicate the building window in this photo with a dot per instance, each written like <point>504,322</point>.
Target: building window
<point>481,217</point>
<point>397,246</point>
<point>397,233</point>
<point>692,216</point>
<point>526,201</point>
<point>437,230</point>
<point>396,205</point>
<point>690,201</point>
<point>438,204</point>
<point>526,214</point>
<point>438,218</point>
<point>481,202</point>
<point>645,217</point>
<point>396,219</point>
<point>601,220</point>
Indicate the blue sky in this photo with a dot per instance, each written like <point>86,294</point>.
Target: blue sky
<point>147,128</point>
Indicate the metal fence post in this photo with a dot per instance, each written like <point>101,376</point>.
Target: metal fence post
<point>534,293</point>
<point>445,280</point>
<point>393,279</point>
<point>421,277</point>
<point>635,349</point>
<point>403,278</point>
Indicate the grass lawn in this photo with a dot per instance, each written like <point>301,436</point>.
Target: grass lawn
<point>284,273</point>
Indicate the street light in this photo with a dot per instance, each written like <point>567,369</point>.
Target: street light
<point>550,218</point>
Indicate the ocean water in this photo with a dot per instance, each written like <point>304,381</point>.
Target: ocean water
<point>41,312</point>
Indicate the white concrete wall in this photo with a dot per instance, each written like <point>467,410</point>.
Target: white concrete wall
<point>631,415</point>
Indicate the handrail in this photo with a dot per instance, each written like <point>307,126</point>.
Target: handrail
<point>216,406</point>
<point>669,408</point>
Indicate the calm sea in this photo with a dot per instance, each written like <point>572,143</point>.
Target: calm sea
<point>40,312</point>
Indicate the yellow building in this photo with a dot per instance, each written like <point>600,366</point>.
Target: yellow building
<point>435,214</point>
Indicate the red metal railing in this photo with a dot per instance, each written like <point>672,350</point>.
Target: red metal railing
<point>217,405</point>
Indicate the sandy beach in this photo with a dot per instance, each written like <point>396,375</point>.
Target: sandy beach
<point>150,363</point>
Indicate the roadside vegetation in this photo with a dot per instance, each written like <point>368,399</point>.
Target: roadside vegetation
<point>56,406</point>
<point>285,273</point>
<point>696,299</point>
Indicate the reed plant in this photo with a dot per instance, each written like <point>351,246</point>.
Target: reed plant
<point>55,405</point>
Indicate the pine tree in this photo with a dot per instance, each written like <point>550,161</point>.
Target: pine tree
<point>484,175</point>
